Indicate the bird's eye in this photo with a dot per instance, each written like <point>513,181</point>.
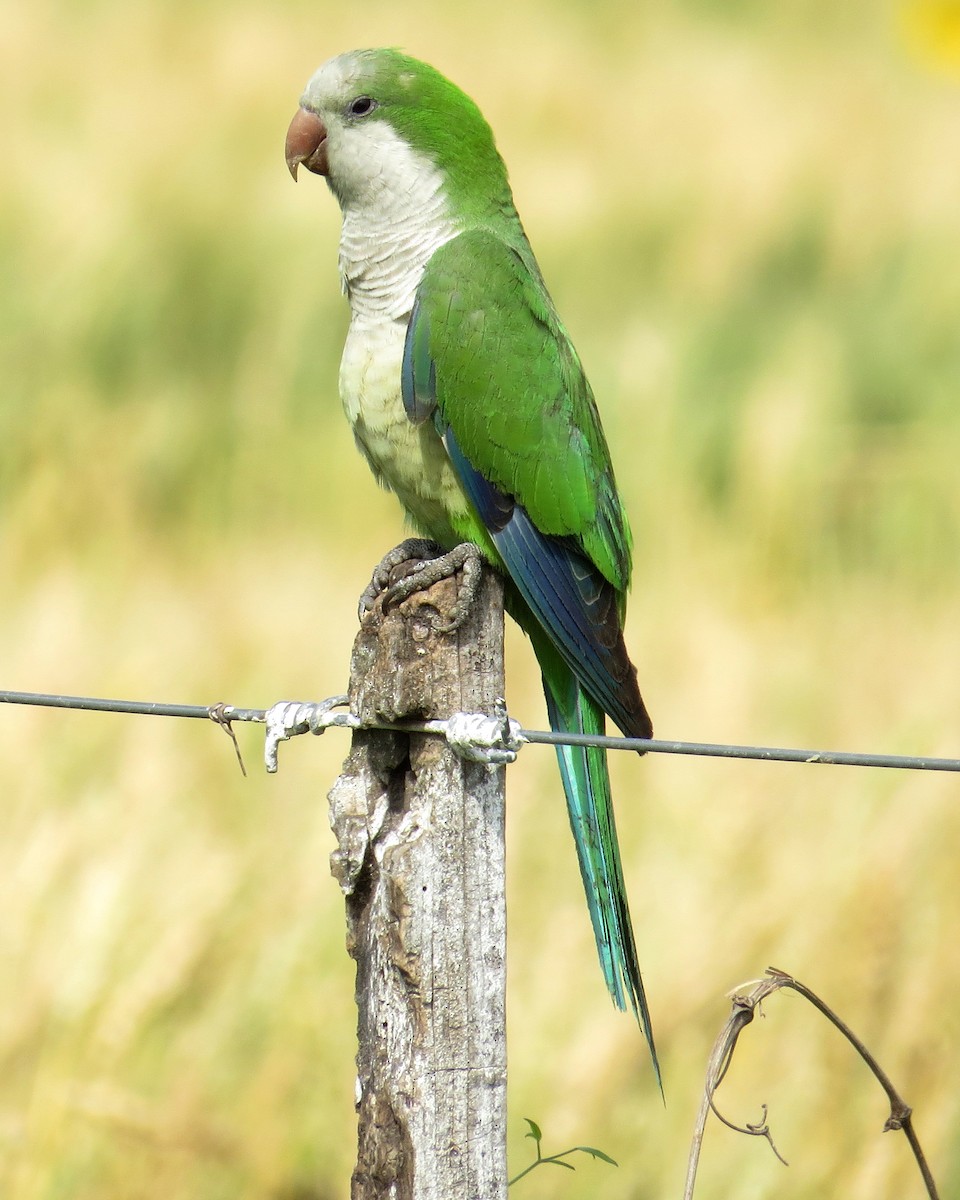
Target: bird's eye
<point>361,106</point>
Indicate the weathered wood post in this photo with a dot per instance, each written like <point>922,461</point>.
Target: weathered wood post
<point>421,863</point>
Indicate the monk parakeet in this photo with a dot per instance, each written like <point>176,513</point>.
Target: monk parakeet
<point>469,401</point>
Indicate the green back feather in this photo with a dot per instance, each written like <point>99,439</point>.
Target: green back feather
<point>509,382</point>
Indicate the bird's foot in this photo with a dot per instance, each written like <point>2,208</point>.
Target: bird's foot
<point>417,564</point>
<point>398,564</point>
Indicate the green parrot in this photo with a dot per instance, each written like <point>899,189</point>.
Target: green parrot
<point>468,400</point>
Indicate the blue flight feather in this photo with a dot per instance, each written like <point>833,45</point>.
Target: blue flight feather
<point>566,593</point>
<point>418,372</point>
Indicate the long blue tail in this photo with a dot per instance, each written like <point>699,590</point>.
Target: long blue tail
<point>586,783</point>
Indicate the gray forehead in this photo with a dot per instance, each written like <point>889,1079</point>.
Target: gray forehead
<point>334,79</point>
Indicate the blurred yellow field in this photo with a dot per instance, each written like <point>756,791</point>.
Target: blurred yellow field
<point>749,216</point>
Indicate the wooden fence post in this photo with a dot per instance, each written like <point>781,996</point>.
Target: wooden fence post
<point>421,863</point>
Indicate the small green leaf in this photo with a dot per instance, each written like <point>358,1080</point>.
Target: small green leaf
<point>595,1153</point>
<point>556,1159</point>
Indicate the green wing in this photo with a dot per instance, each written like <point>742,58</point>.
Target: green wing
<point>488,358</point>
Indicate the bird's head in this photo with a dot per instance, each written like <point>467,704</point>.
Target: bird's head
<point>371,120</point>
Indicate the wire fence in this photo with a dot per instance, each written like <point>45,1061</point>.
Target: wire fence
<point>288,718</point>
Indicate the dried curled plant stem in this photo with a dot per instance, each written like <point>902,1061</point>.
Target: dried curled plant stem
<point>744,1008</point>
<point>760,1129</point>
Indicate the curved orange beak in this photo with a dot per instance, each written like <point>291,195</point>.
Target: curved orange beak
<point>306,143</point>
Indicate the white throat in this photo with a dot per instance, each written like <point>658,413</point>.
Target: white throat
<point>393,221</point>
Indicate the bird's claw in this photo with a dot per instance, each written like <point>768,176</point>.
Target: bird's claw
<point>394,566</point>
<point>417,564</point>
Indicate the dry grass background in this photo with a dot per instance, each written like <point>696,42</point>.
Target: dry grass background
<point>749,217</point>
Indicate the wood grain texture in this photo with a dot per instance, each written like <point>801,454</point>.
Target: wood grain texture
<point>420,859</point>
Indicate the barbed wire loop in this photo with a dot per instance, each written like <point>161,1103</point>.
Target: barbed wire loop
<point>289,718</point>
<point>492,741</point>
<point>220,715</point>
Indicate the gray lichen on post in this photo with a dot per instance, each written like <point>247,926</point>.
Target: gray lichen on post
<point>420,859</point>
